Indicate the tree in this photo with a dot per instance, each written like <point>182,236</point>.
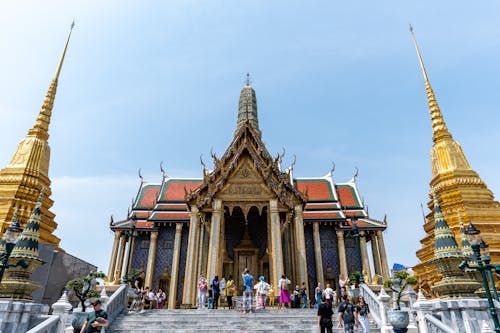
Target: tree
<point>83,287</point>
<point>398,284</point>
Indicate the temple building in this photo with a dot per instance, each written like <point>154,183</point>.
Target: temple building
<point>248,212</point>
<point>21,183</point>
<point>462,193</point>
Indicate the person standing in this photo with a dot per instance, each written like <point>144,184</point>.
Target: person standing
<point>284,285</point>
<point>96,320</point>
<point>248,293</point>
<point>230,291</point>
<point>216,291</point>
<point>325,313</point>
<point>328,294</point>
<point>364,314</point>
<point>222,288</point>
<point>139,291</point>
<point>343,284</point>
<point>318,292</point>
<point>202,292</point>
<point>160,298</point>
<point>303,294</point>
<point>348,316</point>
<point>262,291</point>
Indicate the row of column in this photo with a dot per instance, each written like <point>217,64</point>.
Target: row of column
<point>121,260</point>
<point>378,254</point>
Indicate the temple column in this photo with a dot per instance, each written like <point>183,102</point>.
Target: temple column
<point>112,262</point>
<point>276,255</point>
<point>287,256</point>
<point>200,270</point>
<point>301,247</point>
<point>121,250</point>
<point>383,256</point>
<point>132,245</point>
<point>366,260</point>
<point>376,255</point>
<point>342,257</point>
<point>150,270</point>
<point>214,250</point>
<point>174,276</point>
<point>189,288</point>
<point>317,255</point>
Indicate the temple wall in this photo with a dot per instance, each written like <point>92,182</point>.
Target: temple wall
<point>311,262</point>
<point>329,252</point>
<point>352,256</point>
<point>182,262</point>
<point>140,255</point>
<point>164,252</point>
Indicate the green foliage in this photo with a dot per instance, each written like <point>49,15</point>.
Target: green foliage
<point>130,277</point>
<point>77,285</point>
<point>398,284</point>
<point>355,277</point>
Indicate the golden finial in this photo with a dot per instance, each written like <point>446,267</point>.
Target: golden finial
<point>439,128</point>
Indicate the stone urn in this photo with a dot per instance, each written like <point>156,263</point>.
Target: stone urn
<point>399,320</point>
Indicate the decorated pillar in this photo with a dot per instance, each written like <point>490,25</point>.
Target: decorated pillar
<point>214,250</point>
<point>132,245</point>
<point>342,257</point>
<point>376,255</point>
<point>150,270</point>
<point>301,246</point>
<point>317,255</point>
<point>383,256</point>
<point>112,261</point>
<point>200,270</point>
<point>276,255</point>
<point>174,276</point>
<point>189,291</point>
<point>121,253</point>
<point>366,260</point>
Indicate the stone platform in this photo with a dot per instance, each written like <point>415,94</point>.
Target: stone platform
<point>223,321</point>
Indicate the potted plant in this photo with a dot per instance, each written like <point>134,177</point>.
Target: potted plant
<point>84,289</point>
<point>397,318</point>
<point>354,278</point>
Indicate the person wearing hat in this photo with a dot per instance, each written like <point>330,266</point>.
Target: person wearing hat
<point>96,319</point>
<point>262,291</point>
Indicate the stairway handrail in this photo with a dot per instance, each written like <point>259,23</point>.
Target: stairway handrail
<point>373,303</point>
<point>435,325</point>
<point>50,324</point>
<point>117,302</point>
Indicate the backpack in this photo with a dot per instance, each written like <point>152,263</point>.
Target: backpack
<point>348,313</point>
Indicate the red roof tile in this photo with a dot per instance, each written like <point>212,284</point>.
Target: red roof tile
<point>322,215</point>
<point>317,189</point>
<point>173,190</point>
<point>169,215</point>
<point>147,196</point>
<point>347,196</point>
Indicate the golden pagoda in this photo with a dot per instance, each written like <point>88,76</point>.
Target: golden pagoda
<point>28,171</point>
<point>458,188</point>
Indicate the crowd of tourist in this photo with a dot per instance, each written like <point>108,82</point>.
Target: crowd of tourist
<point>145,297</point>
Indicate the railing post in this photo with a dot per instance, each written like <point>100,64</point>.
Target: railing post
<point>384,305</point>
<point>61,308</point>
<point>423,307</point>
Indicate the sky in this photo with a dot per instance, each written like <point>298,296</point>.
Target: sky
<point>151,81</point>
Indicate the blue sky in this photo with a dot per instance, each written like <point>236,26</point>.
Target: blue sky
<point>336,81</point>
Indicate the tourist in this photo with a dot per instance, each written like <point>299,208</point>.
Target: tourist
<point>296,297</point>
<point>137,303</point>
<point>96,320</point>
<point>325,313</point>
<point>210,300</point>
<point>284,285</point>
<point>248,293</point>
<point>262,291</point>
<point>318,292</point>
<point>222,288</point>
<point>364,315</point>
<point>146,298</point>
<point>216,291</point>
<point>160,298</point>
<point>343,284</point>
<point>202,292</point>
<point>328,292</point>
<point>347,315</point>
<point>303,295</point>
<point>230,291</point>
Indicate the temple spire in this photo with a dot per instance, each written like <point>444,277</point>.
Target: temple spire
<point>247,108</point>
<point>41,127</point>
<point>439,129</point>
<point>445,244</point>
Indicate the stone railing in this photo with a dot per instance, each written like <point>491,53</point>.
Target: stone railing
<point>116,303</point>
<point>50,324</point>
<point>435,325</point>
<point>372,301</point>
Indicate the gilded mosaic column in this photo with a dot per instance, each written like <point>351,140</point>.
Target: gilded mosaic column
<point>112,260</point>
<point>376,255</point>
<point>301,246</point>
<point>121,250</point>
<point>317,255</point>
<point>383,256</point>
<point>366,259</point>
<point>200,269</point>
<point>342,257</point>
<point>174,276</point>
<point>189,291</point>
<point>132,245</point>
<point>276,255</point>
<point>214,251</point>
<point>150,270</point>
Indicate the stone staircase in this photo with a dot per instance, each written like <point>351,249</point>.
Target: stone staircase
<point>223,321</point>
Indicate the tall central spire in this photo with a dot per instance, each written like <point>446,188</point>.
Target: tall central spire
<point>439,128</point>
<point>247,108</point>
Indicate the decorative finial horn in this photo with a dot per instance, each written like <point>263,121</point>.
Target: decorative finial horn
<point>356,172</point>
<point>214,156</point>
<point>203,163</point>
<point>332,170</point>
<point>162,169</point>
<point>140,175</point>
<point>111,220</point>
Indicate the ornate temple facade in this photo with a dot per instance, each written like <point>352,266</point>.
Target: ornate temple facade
<point>247,212</point>
<point>463,195</point>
